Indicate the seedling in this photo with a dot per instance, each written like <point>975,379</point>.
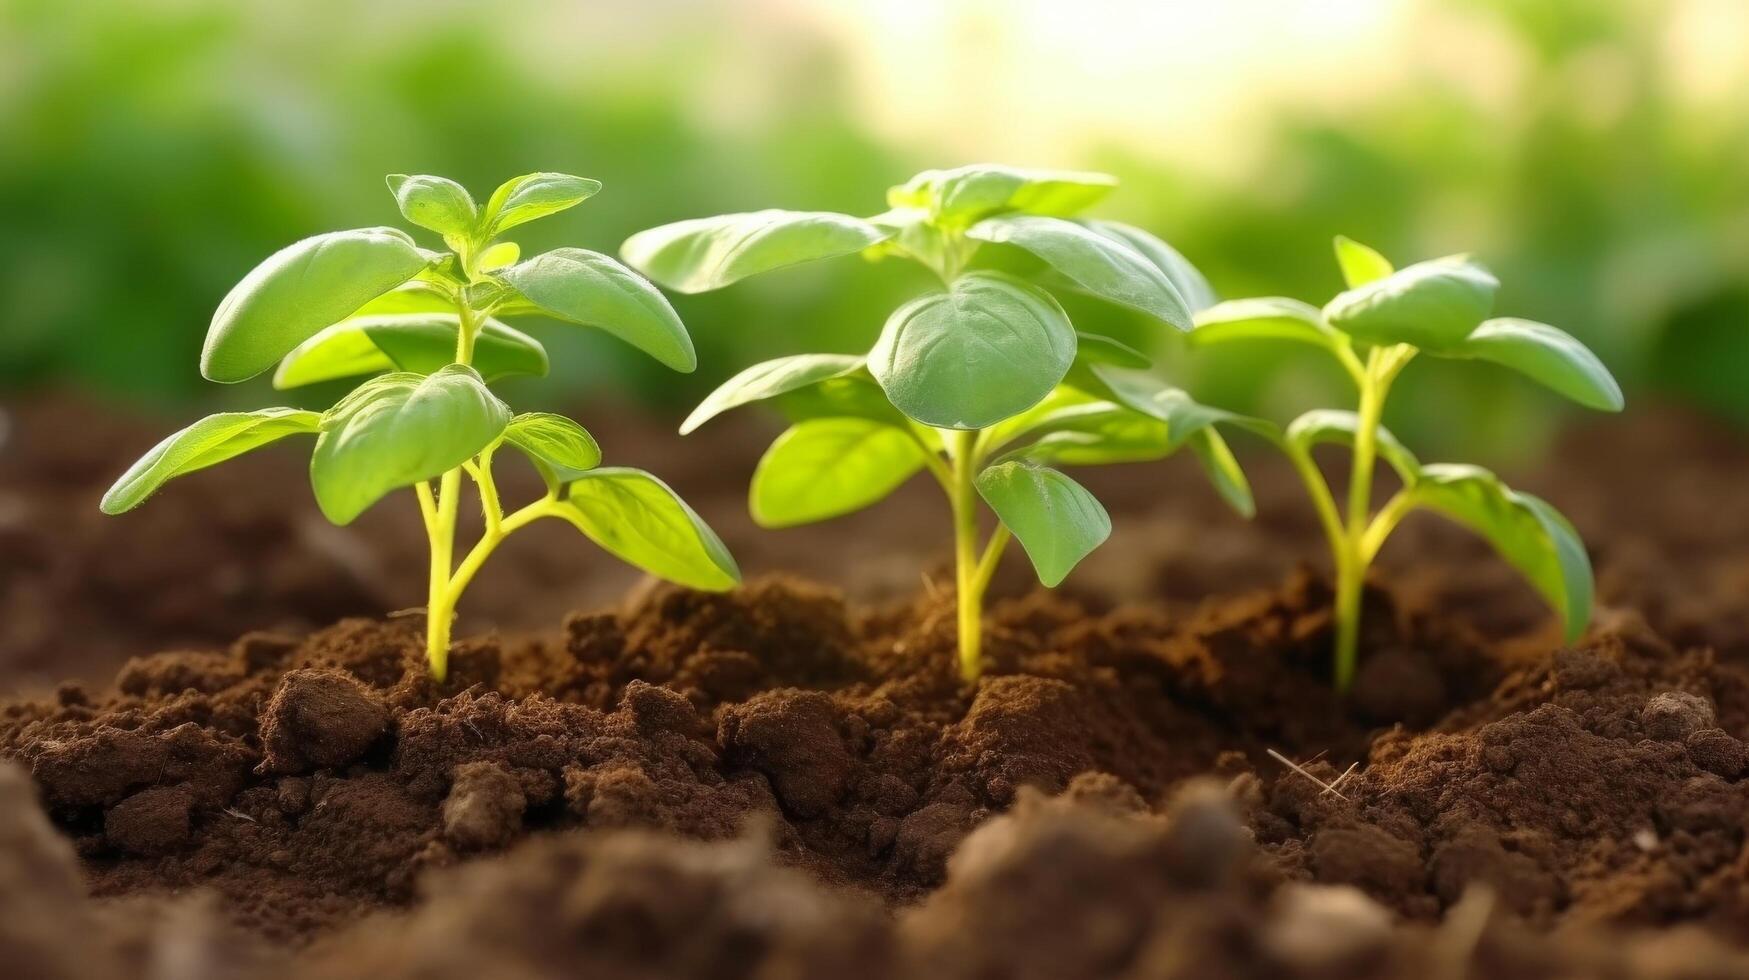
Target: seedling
<point>983,382</point>
<point>1384,320</point>
<point>425,325</point>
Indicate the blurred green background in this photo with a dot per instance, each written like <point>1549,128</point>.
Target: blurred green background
<point>1595,153</point>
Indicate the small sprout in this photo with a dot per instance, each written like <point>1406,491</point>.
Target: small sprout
<point>1385,319</point>
<point>422,327</point>
<point>984,382</point>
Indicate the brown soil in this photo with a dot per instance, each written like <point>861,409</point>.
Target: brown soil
<point>785,782</point>
<point>306,784</point>
<point>241,547</point>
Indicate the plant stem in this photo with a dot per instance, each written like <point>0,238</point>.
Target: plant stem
<point>1384,522</point>
<point>439,609</point>
<point>1350,575</point>
<point>1362,535</point>
<point>963,495</point>
<point>481,471</point>
<point>1350,561</point>
<point>465,330</point>
<point>427,505</point>
<point>1323,501</point>
<point>440,598</point>
<point>483,548</point>
<point>992,558</point>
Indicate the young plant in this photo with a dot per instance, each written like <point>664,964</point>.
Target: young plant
<point>426,326</point>
<point>1384,320</point>
<point>983,382</point>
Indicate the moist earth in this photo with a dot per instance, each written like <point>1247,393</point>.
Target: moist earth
<point>851,807</point>
<point>1153,778</point>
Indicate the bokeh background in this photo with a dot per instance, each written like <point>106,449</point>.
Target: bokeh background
<point>1595,153</point>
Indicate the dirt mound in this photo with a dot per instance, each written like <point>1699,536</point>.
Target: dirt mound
<point>1086,885</point>
<point>310,781</point>
<point>779,782</point>
<point>1600,785</point>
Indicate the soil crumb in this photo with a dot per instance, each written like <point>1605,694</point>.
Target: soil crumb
<point>1115,766</point>
<point>1154,779</point>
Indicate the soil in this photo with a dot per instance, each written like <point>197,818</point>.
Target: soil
<point>787,781</point>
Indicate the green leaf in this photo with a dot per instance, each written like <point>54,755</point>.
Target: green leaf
<point>1080,432</point>
<point>1094,348</point>
<point>493,295</point>
<point>587,287</point>
<point>825,467</point>
<point>960,197</point>
<point>1224,471</point>
<point>499,256</point>
<point>1531,535</point>
<point>299,290</point>
<point>637,518</point>
<point>1545,354</point>
<point>989,347</point>
<point>213,439</point>
<point>1055,519</point>
<point>415,296</point>
<point>1065,401</point>
<point>1360,264</point>
<point>1181,420</point>
<point>1185,416</point>
<point>523,199</point>
<point>343,350</point>
<point>1267,318</point>
<point>914,236</point>
<point>1429,305</point>
<point>709,253</point>
<point>423,347</point>
<point>1150,396</point>
<point>398,429</point>
<point>1104,266</point>
<point>416,342</point>
<point>1094,434</point>
<point>1191,284</point>
<point>1324,425</point>
<point>769,380</point>
<point>434,203</point>
<point>559,448</point>
<point>854,395</point>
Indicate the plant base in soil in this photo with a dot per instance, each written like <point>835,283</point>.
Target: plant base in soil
<point>830,766</point>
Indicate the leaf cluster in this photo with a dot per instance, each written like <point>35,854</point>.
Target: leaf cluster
<point>424,329</point>
<point>1440,308</point>
<point>985,377</point>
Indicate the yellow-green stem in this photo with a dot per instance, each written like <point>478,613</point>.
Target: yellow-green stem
<point>439,609</point>
<point>440,600</point>
<point>963,494</point>
<point>464,572</point>
<point>481,470</point>
<point>465,330</point>
<point>1350,575</point>
<point>1352,557</point>
<point>1384,522</point>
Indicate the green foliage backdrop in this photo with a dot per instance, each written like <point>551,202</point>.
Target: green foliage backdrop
<point>151,152</point>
